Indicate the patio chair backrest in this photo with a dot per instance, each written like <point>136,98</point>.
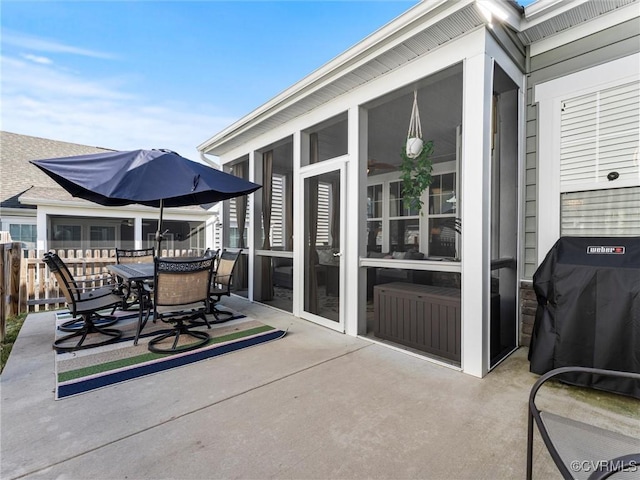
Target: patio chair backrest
<point>226,265</point>
<point>64,270</point>
<point>212,253</point>
<point>65,280</point>
<point>144,255</point>
<point>182,282</point>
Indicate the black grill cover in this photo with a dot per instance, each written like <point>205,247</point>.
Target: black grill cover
<point>588,314</point>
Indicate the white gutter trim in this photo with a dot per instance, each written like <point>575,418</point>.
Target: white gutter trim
<point>543,10</point>
<point>13,211</point>
<point>208,161</point>
<point>128,208</point>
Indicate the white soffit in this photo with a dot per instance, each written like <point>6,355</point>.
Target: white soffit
<point>397,47</point>
<point>553,17</point>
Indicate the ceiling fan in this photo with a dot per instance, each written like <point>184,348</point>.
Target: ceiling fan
<point>375,167</point>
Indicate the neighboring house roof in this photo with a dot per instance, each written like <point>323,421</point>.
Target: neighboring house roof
<point>22,184</point>
<point>20,177</point>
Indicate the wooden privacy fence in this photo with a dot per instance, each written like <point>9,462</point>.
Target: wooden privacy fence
<point>10,285</point>
<point>28,286</point>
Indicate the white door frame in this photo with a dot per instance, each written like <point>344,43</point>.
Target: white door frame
<point>337,164</point>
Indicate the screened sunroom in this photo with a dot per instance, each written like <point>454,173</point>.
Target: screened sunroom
<point>331,236</point>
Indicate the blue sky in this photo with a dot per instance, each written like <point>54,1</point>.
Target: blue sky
<point>163,74</point>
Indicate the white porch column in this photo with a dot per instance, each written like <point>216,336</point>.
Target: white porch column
<point>476,214</point>
<point>255,264</point>
<point>137,232</point>
<point>300,145</point>
<point>356,213</point>
<point>251,231</point>
<point>42,242</point>
<point>210,227</point>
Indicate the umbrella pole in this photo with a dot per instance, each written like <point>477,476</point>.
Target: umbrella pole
<point>159,231</point>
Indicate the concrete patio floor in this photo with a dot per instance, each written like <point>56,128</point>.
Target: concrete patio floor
<point>315,405</point>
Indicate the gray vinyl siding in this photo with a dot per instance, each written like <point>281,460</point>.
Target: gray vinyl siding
<point>605,46</point>
<point>602,47</point>
<point>530,219</point>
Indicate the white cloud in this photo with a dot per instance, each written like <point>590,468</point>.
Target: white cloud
<point>51,46</point>
<point>43,101</point>
<point>37,59</point>
<point>45,81</point>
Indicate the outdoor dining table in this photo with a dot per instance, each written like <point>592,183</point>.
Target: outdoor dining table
<point>138,274</point>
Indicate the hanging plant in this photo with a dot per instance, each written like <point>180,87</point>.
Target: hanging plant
<point>415,173</point>
<point>416,164</point>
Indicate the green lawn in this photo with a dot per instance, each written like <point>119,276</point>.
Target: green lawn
<point>12,329</point>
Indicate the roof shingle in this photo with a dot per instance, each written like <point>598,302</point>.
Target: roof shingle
<point>18,175</point>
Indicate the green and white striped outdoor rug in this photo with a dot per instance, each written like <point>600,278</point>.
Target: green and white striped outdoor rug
<point>85,370</point>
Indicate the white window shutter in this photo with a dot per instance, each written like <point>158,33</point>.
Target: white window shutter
<point>324,195</point>
<point>277,210</point>
<point>600,133</point>
<point>232,213</point>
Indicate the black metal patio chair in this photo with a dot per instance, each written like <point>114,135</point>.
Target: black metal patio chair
<point>130,292</point>
<point>86,304</point>
<point>144,255</point>
<point>84,289</point>
<point>578,449</point>
<point>222,282</point>
<point>211,253</point>
<point>181,295</point>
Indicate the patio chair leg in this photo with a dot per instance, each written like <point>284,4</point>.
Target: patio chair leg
<point>529,446</point>
<point>60,345</point>
<point>76,325</point>
<point>204,321</point>
<point>175,341</point>
<point>181,329</point>
<point>216,313</point>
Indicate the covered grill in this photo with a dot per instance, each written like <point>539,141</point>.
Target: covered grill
<point>588,314</point>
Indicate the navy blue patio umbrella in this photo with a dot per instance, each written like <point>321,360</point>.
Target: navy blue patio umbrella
<point>155,178</point>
